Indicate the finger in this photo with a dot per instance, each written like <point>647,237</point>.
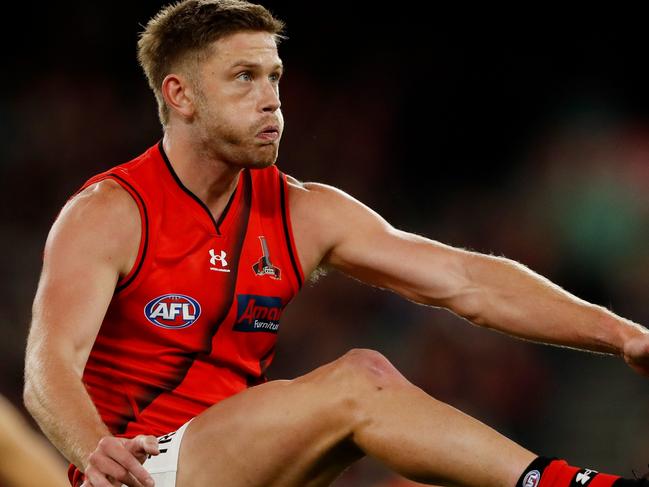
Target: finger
<point>146,443</point>
<point>96,479</point>
<point>143,446</point>
<point>113,470</point>
<point>119,453</point>
<point>116,483</point>
<point>128,481</point>
<point>636,354</point>
<point>642,369</point>
<point>637,348</point>
<point>641,366</point>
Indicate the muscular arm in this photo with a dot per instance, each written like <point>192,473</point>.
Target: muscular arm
<point>334,229</point>
<point>93,242</point>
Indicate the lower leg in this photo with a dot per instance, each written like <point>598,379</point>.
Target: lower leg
<point>431,442</point>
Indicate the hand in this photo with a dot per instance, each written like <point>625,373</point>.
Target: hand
<point>636,353</point>
<point>118,461</point>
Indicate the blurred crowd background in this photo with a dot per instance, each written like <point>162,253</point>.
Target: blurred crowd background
<point>525,138</point>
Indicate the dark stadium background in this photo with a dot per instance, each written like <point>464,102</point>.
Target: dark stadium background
<point>524,135</point>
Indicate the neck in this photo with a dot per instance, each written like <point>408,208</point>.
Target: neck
<point>213,181</point>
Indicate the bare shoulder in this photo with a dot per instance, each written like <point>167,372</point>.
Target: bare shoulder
<point>101,219</point>
<point>329,205</point>
<point>104,198</point>
<point>327,198</point>
<point>324,217</point>
<point>315,207</point>
<point>311,189</point>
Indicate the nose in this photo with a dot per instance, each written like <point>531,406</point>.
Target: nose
<point>270,97</point>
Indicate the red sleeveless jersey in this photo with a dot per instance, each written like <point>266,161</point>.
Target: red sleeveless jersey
<point>196,319</point>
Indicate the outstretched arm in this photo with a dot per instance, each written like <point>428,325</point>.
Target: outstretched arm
<point>490,291</point>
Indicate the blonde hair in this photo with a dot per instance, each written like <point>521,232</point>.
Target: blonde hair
<point>185,30</point>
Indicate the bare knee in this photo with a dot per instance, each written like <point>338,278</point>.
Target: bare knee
<point>357,381</point>
<point>364,368</point>
<point>350,382</point>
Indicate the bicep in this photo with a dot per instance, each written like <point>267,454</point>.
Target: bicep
<point>87,249</point>
<point>365,246</point>
<point>73,293</point>
<point>415,267</point>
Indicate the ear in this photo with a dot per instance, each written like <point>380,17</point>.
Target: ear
<point>179,95</point>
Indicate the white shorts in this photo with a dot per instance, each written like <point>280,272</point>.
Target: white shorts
<point>163,467</point>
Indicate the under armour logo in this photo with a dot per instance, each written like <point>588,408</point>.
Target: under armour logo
<point>214,258</point>
<point>584,478</point>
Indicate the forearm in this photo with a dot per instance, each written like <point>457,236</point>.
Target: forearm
<point>58,400</point>
<point>506,296</point>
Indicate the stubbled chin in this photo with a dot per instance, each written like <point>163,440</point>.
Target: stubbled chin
<point>256,165</point>
<point>256,157</point>
<point>259,162</point>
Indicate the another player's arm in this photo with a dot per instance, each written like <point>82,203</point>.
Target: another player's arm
<point>25,459</point>
<point>490,291</point>
<point>94,241</point>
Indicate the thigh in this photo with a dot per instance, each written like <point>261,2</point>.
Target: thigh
<point>282,433</point>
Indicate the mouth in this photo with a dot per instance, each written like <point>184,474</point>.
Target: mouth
<point>270,132</point>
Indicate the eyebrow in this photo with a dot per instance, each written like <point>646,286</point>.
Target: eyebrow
<point>249,64</point>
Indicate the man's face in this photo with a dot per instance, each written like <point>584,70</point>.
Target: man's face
<point>238,113</point>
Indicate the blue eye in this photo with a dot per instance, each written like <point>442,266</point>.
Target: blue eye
<point>247,76</point>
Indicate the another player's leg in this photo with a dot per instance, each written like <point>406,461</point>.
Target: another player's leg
<point>306,431</point>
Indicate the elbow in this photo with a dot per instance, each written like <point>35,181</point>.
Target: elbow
<point>30,400</point>
<point>31,385</point>
<point>481,290</point>
<point>470,298</point>
<point>471,306</point>
<point>468,301</point>
<point>31,374</point>
<point>30,394</point>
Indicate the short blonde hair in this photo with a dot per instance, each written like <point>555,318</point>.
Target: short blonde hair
<point>184,31</point>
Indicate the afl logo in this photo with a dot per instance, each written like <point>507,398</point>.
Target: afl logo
<point>172,311</point>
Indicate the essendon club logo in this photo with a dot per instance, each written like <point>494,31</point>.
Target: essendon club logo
<point>258,313</point>
<point>263,267</point>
